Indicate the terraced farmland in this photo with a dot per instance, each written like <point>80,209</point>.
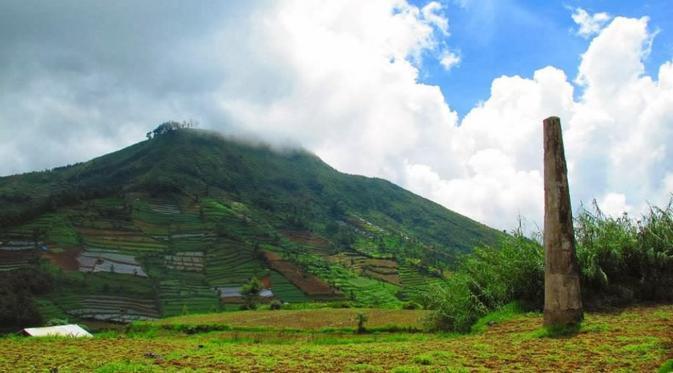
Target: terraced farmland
<point>231,263</point>
<point>171,255</point>
<point>182,295</point>
<point>14,259</point>
<point>380,269</point>
<point>115,308</point>
<point>414,282</point>
<point>192,261</point>
<point>308,283</point>
<point>122,241</point>
<point>284,290</point>
<point>112,262</point>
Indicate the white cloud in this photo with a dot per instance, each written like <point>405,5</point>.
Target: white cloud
<point>614,204</point>
<point>432,13</point>
<point>341,78</point>
<point>449,60</point>
<point>589,24</point>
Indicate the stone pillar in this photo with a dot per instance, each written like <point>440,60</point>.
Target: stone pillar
<point>562,296</point>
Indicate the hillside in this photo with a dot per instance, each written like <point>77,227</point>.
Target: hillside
<point>178,223</point>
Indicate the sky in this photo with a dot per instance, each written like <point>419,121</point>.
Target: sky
<point>444,98</point>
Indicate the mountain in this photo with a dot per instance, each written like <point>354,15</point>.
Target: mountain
<point>179,222</point>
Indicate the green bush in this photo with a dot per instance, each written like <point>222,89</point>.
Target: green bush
<point>488,279</point>
<point>621,261</point>
<point>275,305</point>
<point>411,305</point>
<point>625,261</point>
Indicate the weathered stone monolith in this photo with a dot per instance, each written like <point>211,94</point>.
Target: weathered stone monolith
<point>562,296</point>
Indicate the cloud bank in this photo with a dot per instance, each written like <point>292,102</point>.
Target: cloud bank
<point>341,79</point>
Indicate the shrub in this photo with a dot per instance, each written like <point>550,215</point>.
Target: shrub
<point>411,305</point>
<point>621,261</point>
<point>275,305</point>
<point>488,279</point>
<point>361,319</point>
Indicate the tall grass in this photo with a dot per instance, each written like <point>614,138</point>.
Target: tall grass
<point>488,279</point>
<point>621,260</point>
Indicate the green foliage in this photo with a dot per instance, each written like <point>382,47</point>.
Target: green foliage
<point>55,322</point>
<point>666,367</point>
<point>487,280</point>
<point>505,313</point>
<point>250,291</point>
<point>275,305</point>
<point>621,262</point>
<point>361,319</point>
<point>17,297</point>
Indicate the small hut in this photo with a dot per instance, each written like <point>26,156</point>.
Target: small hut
<point>71,330</point>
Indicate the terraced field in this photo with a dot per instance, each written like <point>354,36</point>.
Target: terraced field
<point>175,253</point>
<point>231,264</point>
<point>192,261</point>
<point>121,241</point>
<point>284,290</point>
<point>107,261</point>
<point>115,308</point>
<point>181,295</point>
<point>413,282</point>
<point>380,269</point>
<point>15,254</point>
<point>308,283</point>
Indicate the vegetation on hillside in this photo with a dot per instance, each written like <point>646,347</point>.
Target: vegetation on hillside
<point>17,297</point>
<point>622,262</point>
<point>291,184</point>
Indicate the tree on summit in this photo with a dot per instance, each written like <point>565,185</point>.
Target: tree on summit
<point>170,126</point>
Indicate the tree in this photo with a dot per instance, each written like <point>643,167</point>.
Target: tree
<point>250,291</point>
<point>361,319</point>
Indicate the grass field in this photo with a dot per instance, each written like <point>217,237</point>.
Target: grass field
<point>637,339</point>
<point>310,319</point>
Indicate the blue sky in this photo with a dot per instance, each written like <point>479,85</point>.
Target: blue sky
<point>517,37</point>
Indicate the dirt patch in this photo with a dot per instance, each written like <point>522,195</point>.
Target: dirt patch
<point>308,283</point>
<point>67,259</point>
<point>307,238</point>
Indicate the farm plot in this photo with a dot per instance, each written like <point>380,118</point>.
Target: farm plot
<point>37,228</point>
<point>53,228</point>
<point>126,241</point>
<point>380,269</point>
<point>115,308</point>
<point>363,290</point>
<point>231,264</point>
<point>191,241</point>
<point>186,295</point>
<point>191,261</point>
<point>238,220</point>
<point>164,206</point>
<point>284,290</point>
<point>308,283</point>
<point>310,240</point>
<point>165,220</point>
<point>64,259</point>
<point>111,262</point>
<point>15,254</point>
<point>413,282</point>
